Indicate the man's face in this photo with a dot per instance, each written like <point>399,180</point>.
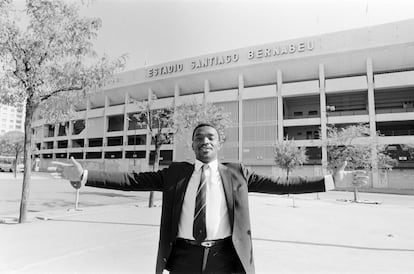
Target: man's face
<point>206,144</point>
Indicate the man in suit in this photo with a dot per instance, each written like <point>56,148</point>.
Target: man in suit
<point>205,223</point>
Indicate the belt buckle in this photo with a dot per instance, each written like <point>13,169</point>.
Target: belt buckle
<point>207,244</point>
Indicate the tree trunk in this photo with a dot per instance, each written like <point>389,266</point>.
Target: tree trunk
<point>27,162</point>
<point>287,178</point>
<point>155,168</point>
<point>15,165</point>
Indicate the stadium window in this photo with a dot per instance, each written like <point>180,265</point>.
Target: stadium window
<point>116,123</point>
<point>78,127</point>
<point>113,155</point>
<point>48,145</point>
<point>78,143</point>
<point>133,122</point>
<point>137,140</point>
<point>49,131</point>
<point>95,142</point>
<point>115,141</point>
<point>93,155</point>
<point>140,154</point>
<point>63,129</point>
<point>62,144</point>
<point>76,155</point>
<point>61,155</point>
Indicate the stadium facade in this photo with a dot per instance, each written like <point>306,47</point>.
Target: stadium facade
<point>288,89</point>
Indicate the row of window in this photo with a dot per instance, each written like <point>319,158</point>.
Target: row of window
<point>250,134</point>
<point>115,123</point>
<point>96,142</point>
<point>165,155</point>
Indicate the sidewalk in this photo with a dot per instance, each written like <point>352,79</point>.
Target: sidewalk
<point>318,236</point>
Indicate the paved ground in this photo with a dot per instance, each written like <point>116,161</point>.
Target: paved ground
<point>116,233</point>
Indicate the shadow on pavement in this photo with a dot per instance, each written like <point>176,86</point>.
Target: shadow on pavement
<point>106,194</point>
<point>99,222</point>
<point>335,245</point>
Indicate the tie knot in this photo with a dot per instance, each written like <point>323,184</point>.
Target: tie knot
<point>204,167</point>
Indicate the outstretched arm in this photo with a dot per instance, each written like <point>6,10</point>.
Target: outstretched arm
<point>297,184</point>
<point>128,181</point>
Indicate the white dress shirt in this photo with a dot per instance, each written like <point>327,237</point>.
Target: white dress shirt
<point>217,215</point>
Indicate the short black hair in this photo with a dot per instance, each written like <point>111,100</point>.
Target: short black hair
<point>204,125</point>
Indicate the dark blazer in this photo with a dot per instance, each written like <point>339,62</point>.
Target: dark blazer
<point>173,181</point>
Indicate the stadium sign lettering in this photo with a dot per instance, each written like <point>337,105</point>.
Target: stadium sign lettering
<point>214,61</point>
<point>164,70</point>
<point>280,50</point>
<point>218,60</point>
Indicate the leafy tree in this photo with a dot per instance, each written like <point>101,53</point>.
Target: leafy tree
<point>12,143</point>
<point>288,156</point>
<point>48,65</point>
<point>159,123</point>
<point>345,144</point>
<point>188,115</point>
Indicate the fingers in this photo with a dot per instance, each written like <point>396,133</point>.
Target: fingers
<point>56,175</point>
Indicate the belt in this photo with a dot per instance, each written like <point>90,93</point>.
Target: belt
<point>209,243</point>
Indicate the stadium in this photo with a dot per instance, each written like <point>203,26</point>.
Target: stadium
<point>283,89</point>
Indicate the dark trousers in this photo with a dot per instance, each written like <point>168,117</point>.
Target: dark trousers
<point>190,258</point>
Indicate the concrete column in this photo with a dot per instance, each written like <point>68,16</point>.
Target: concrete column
<point>106,123</point>
<point>324,120</point>
<point>55,142</point>
<point>176,96</point>
<point>371,100</point>
<point>279,87</point>
<point>372,125</point>
<point>126,123</point>
<point>88,104</point>
<point>86,140</point>
<point>240,126</point>
<point>149,137</point>
<point>206,92</point>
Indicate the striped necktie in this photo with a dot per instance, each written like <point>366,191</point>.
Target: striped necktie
<point>199,225</point>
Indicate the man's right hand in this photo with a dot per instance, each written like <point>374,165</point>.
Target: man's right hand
<point>72,172</point>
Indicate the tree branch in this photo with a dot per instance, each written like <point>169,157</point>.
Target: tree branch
<point>43,98</point>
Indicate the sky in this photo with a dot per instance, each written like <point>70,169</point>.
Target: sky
<point>157,31</point>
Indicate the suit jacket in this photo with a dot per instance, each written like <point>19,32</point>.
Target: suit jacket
<point>237,182</point>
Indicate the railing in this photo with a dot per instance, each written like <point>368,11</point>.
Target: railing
<point>347,113</point>
<point>398,132</point>
<point>301,116</point>
<point>393,110</point>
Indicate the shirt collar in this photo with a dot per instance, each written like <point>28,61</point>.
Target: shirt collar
<point>213,165</point>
